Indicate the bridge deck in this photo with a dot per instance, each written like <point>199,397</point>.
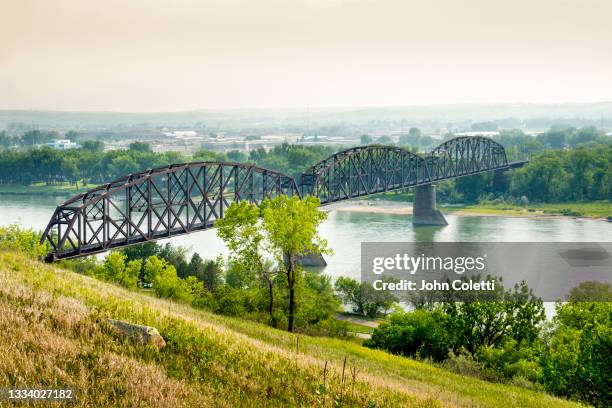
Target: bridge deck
<point>189,197</point>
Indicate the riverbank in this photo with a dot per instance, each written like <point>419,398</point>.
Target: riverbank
<point>592,210</point>
<point>41,189</point>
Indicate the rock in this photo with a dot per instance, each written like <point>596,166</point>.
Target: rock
<point>145,335</point>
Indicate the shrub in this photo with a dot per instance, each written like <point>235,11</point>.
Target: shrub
<point>17,238</point>
<point>419,333</point>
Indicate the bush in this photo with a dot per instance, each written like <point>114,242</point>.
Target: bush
<point>420,333</point>
<point>17,238</point>
<point>464,364</point>
<point>363,298</point>
<point>577,363</point>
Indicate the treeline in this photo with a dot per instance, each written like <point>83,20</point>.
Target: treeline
<point>90,165</point>
<point>34,137</point>
<point>566,164</point>
<point>510,341</point>
<point>578,174</point>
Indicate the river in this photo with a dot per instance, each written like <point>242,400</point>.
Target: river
<point>345,230</point>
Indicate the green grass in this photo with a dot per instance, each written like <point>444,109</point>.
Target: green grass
<point>596,209</point>
<point>53,332</point>
<point>44,189</point>
<point>358,328</point>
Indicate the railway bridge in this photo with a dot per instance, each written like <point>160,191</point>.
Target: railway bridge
<point>183,198</point>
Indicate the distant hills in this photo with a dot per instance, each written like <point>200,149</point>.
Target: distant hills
<point>581,113</point>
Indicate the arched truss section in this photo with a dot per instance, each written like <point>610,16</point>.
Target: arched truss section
<point>361,171</point>
<point>466,155</point>
<point>158,203</point>
<point>183,198</point>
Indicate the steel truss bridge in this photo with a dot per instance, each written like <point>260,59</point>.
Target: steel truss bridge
<point>183,198</point>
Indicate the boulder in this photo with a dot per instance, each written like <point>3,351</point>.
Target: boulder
<point>140,334</point>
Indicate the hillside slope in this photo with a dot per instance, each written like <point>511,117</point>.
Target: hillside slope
<point>54,332</point>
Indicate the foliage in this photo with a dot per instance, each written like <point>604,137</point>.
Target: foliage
<point>366,139</point>
<point>419,333</point>
<point>208,358</point>
<point>290,159</point>
<point>499,335</point>
<point>115,269</point>
<point>288,231</point>
<point>364,299</point>
<point>291,226</point>
<point>17,238</point>
<point>210,272</point>
<point>577,361</point>
<point>166,282</point>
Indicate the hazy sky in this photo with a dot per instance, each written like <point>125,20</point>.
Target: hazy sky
<point>153,55</point>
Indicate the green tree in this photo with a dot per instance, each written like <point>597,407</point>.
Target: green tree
<point>364,299</point>
<point>140,147</point>
<point>418,333</point>
<point>209,272</point>
<point>72,136</point>
<point>115,269</point>
<point>577,361</point>
<point>291,226</point>
<point>241,231</point>
<point>94,146</point>
<point>167,284</point>
<point>366,139</point>
<point>236,156</point>
<point>385,140</point>
<point>153,267</point>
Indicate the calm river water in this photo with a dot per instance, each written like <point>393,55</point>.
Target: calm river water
<point>346,230</point>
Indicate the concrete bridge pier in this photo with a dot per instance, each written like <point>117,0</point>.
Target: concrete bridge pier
<point>312,259</point>
<point>424,211</point>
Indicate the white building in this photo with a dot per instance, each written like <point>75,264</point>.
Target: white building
<point>63,144</point>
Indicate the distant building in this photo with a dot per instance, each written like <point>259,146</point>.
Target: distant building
<point>63,144</point>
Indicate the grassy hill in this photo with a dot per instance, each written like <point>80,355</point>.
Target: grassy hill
<point>54,332</point>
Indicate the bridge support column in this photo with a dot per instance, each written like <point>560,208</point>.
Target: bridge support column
<point>499,180</point>
<point>424,211</point>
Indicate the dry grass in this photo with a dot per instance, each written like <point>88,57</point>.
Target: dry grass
<point>53,332</point>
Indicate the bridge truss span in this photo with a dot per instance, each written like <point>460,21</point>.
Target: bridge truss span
<point>362,171</point>
<point>158,203</point>
<point>374,169</point>
<point>466,155</point>
<point>184,198</point>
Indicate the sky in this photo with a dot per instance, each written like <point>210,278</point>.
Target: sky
<point>133,55</point>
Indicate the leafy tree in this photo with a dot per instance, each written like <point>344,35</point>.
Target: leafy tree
<point>207,155</point>
<point>418,333</point>
<point>123,165</point>
<point>366,139</point>
<point>115,269</point>
<point>364,299</point>
<point>291,227</point>
<point>16,238</point>
<point>94,146</point>
<point>175,256</point>
<point>241,232</point>
<point>153,267</point>
<point>209,272</point>
<point>385,140</point>
<point>168,285</point>
<point>577,361</point>
<point>591,291</point>
<point>516,316</point>
<point>318,303</point>
<point>140,147</point>
<point>72,136</point>
<point>236,156</point>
